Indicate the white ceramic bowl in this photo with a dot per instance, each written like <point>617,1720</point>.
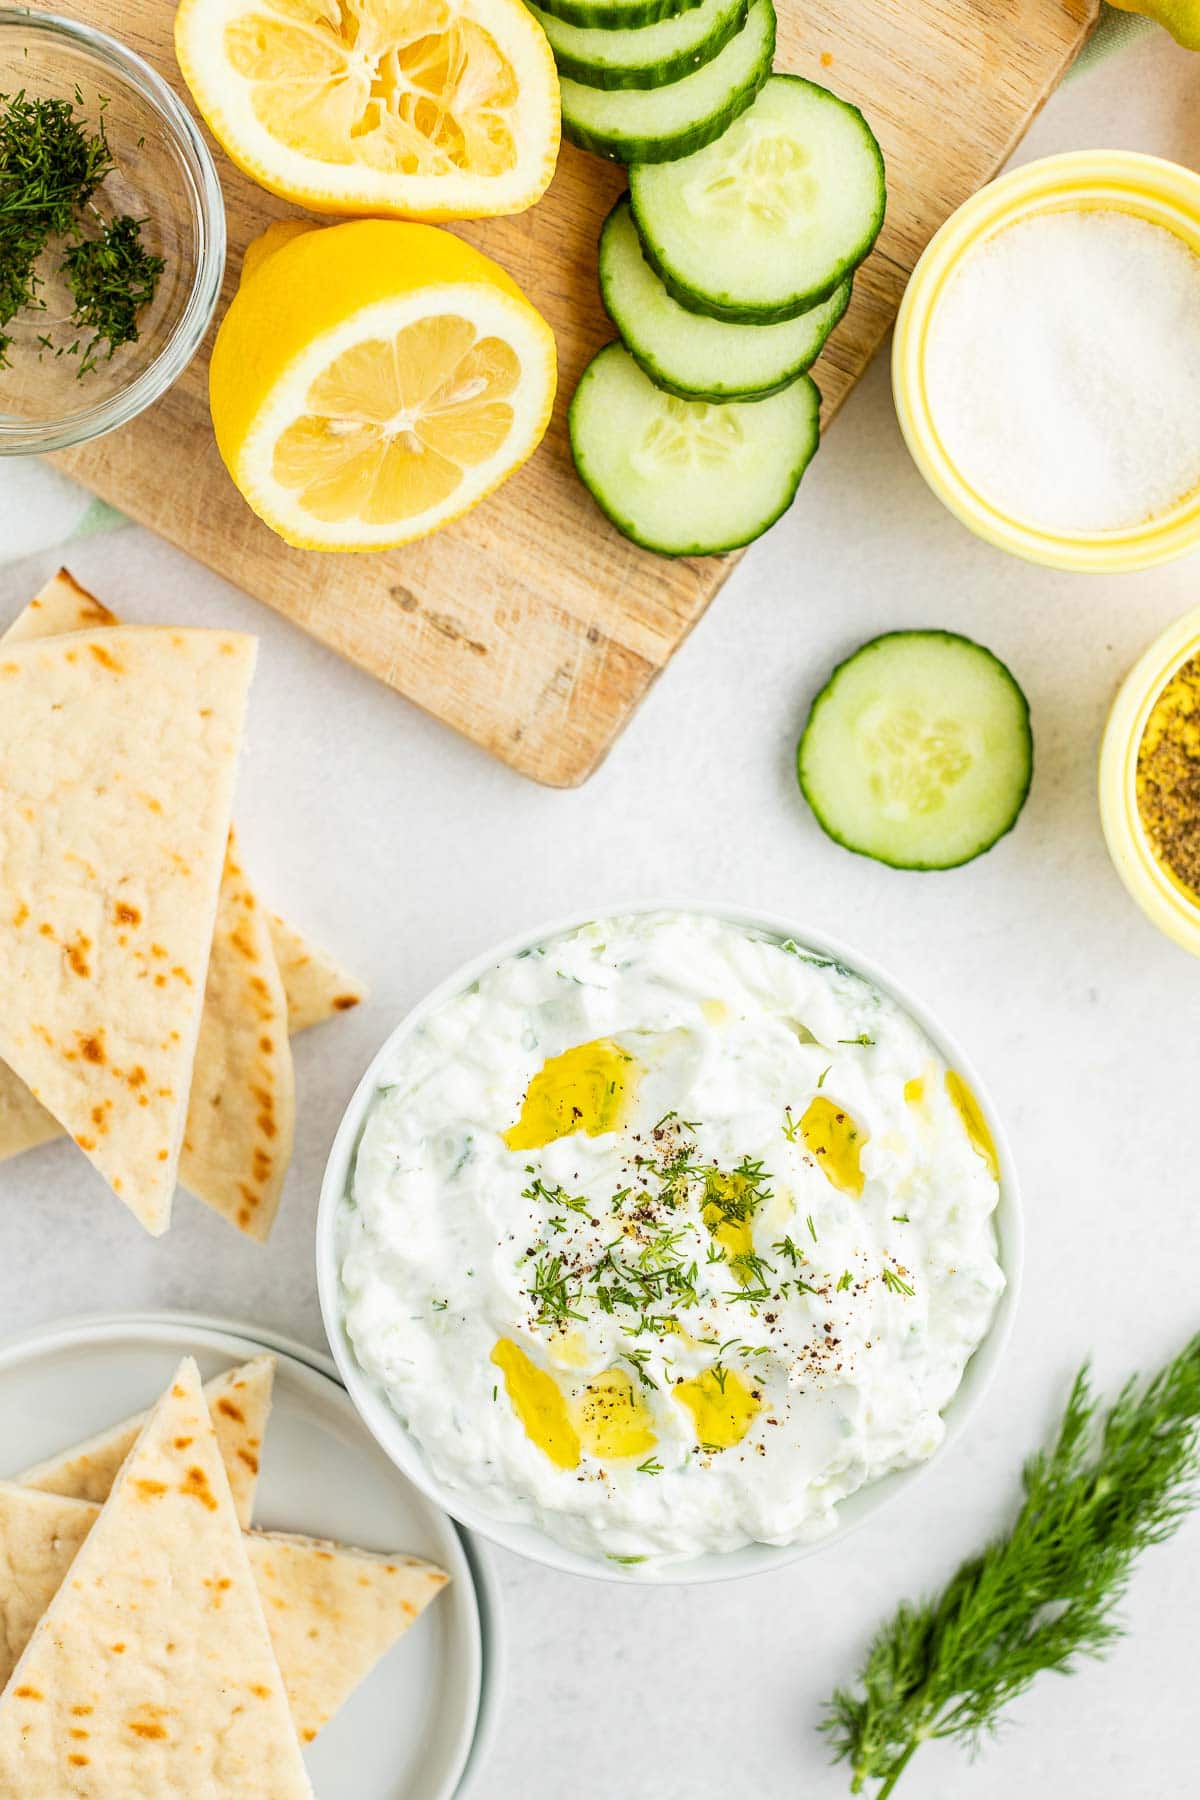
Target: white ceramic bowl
<point>528,1540</point>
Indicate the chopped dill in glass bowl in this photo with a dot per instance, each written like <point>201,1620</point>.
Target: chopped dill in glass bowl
<point>112,234</point>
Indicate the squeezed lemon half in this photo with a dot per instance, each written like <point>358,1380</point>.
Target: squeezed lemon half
<point>372,381</point>
<point>430,109</point>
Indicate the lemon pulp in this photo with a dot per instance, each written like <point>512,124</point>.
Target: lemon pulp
<point>414,88</point>
<point>391,424</point>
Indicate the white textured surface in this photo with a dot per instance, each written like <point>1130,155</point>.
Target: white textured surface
<point>407,850</point>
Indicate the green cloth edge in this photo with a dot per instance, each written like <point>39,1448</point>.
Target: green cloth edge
<point>1115,30</point>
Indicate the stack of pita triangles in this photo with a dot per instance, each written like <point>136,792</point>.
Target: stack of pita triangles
<point>148,1647</point>
<point>146,996</point>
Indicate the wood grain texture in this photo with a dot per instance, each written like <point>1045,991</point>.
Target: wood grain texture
<point>531,625</point>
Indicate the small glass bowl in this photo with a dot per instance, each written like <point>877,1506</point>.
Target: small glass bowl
<point>1081,180</point>
<point>165,175</point>
<point>1162,899</point>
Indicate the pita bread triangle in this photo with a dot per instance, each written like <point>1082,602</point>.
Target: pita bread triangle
<point>59,607</point>
<point>316,985</point>
<point>239,1404</point>
<point>224,1160</point>
<point>242,1110</point>
<point>151,1671</point>
<point>118,752</point>
<point>24,1121</point>
<point>331,1612</point>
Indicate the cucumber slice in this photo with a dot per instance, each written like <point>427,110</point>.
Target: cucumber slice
<point>654,125</point>
<point>771,218</point>
<point>680,476</point>
<point>647,56</point>
<point>695,357</point>
<point>918,750</point>
<point>615,15</point>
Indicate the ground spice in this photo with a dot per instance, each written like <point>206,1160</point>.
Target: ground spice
<point>1168,777</point>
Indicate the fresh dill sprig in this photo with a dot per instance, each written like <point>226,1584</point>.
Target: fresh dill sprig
<point>894,1282</point>
<point>1039,1597</point>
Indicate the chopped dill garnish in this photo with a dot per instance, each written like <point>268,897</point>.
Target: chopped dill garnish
<point>752,1272</point>
<point>651,1466</point>
<point>554,1196</point>
<point>552,1292</point>
<point>893,1282</point>
<point>862,1038</point>
<point>51,165</point>
<point>812,1230</point>
<point>638,1360</point>
<point>112,279</point>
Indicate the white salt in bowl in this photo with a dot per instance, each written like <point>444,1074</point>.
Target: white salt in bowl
<point>1145,187</point>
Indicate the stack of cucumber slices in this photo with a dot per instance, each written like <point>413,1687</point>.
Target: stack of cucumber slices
<point>753,197</point>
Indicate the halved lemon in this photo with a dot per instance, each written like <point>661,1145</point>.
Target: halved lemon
<point>427,109</point>
<point>372,381</point>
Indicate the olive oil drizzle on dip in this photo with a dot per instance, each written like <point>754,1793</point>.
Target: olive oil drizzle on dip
<point>667,1237</point>
<point>1168,778</point>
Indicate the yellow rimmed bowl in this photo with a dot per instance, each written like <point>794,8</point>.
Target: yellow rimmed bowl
<point>1087,180</point>
<point>1162,899</point>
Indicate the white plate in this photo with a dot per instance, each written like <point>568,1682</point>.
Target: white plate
<point>487,1588</point>
<point>407,1733</point>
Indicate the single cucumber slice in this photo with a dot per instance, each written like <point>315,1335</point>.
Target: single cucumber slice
<point>918,750</point>
<point>615,15</point>
<point>653,125</point>
<point>680,476</point>
<point>771,218</point>
<point>646,56</point>
<point>695,357</point>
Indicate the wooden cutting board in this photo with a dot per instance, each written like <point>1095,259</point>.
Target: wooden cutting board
<point>532,625</point>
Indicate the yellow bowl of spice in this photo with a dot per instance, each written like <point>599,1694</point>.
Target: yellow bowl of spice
<point>1046,362</point>
<point>1150,782</point>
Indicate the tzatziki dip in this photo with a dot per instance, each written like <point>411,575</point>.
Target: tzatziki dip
<point>666,1236</point>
